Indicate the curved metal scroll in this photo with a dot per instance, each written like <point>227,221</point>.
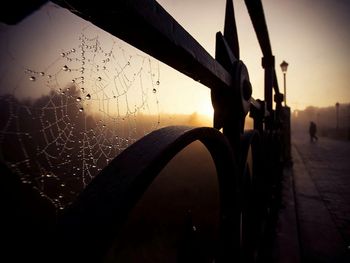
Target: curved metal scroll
<point>89,225</point>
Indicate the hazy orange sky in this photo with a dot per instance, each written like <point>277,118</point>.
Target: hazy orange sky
<point>312,36</point>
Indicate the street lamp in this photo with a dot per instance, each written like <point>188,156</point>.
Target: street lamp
<point>284,66</point>
<point>337,112</point>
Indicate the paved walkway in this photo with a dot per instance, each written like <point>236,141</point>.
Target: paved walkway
<point>315,224</point>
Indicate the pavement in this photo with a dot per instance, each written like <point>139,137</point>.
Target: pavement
<point>314,222</point>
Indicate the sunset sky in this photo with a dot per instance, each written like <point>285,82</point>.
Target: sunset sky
<point>312,36</point>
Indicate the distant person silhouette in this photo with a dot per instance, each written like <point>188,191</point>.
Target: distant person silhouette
<point>313,131</point>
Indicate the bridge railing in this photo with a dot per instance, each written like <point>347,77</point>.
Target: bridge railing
<point>248,164</point>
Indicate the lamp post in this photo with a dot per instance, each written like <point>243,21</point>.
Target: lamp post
<point>284,66</point>
<point>337,112</point>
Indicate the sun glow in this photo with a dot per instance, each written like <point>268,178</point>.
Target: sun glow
<point>206,108</point>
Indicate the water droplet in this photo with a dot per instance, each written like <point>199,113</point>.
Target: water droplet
<point>65,68</point>
<point>81,109</point>
<point>63,55</point>
<point>88,97</point>
<point>99,78</point>
<point>49,175</point>
<point>32,78</point>
<point>158,82</point>
<point>82,90</point>
<point>82,78</point>
<point>42,73</point>
<point>60,196</point>
<point>104,125</point>
<point>82,69</point>
<point>49,76</point>
<point>73,49</point>
<point>78,99</point>
<point>128,63</point>
<point>154,90</point>
<point>73,80</point>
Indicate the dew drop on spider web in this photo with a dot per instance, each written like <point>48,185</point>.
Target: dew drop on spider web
<point>78,90</point>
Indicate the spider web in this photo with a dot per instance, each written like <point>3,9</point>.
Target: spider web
<point>92,101</point>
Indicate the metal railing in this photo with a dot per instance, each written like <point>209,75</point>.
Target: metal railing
<point>249,164</point>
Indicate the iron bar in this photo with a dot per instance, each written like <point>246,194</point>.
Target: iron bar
<point>147,26</point>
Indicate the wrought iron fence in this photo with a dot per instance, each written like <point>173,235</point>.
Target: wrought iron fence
<point>100,226</point>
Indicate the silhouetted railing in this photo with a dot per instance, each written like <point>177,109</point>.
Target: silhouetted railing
<point>248,163</point>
